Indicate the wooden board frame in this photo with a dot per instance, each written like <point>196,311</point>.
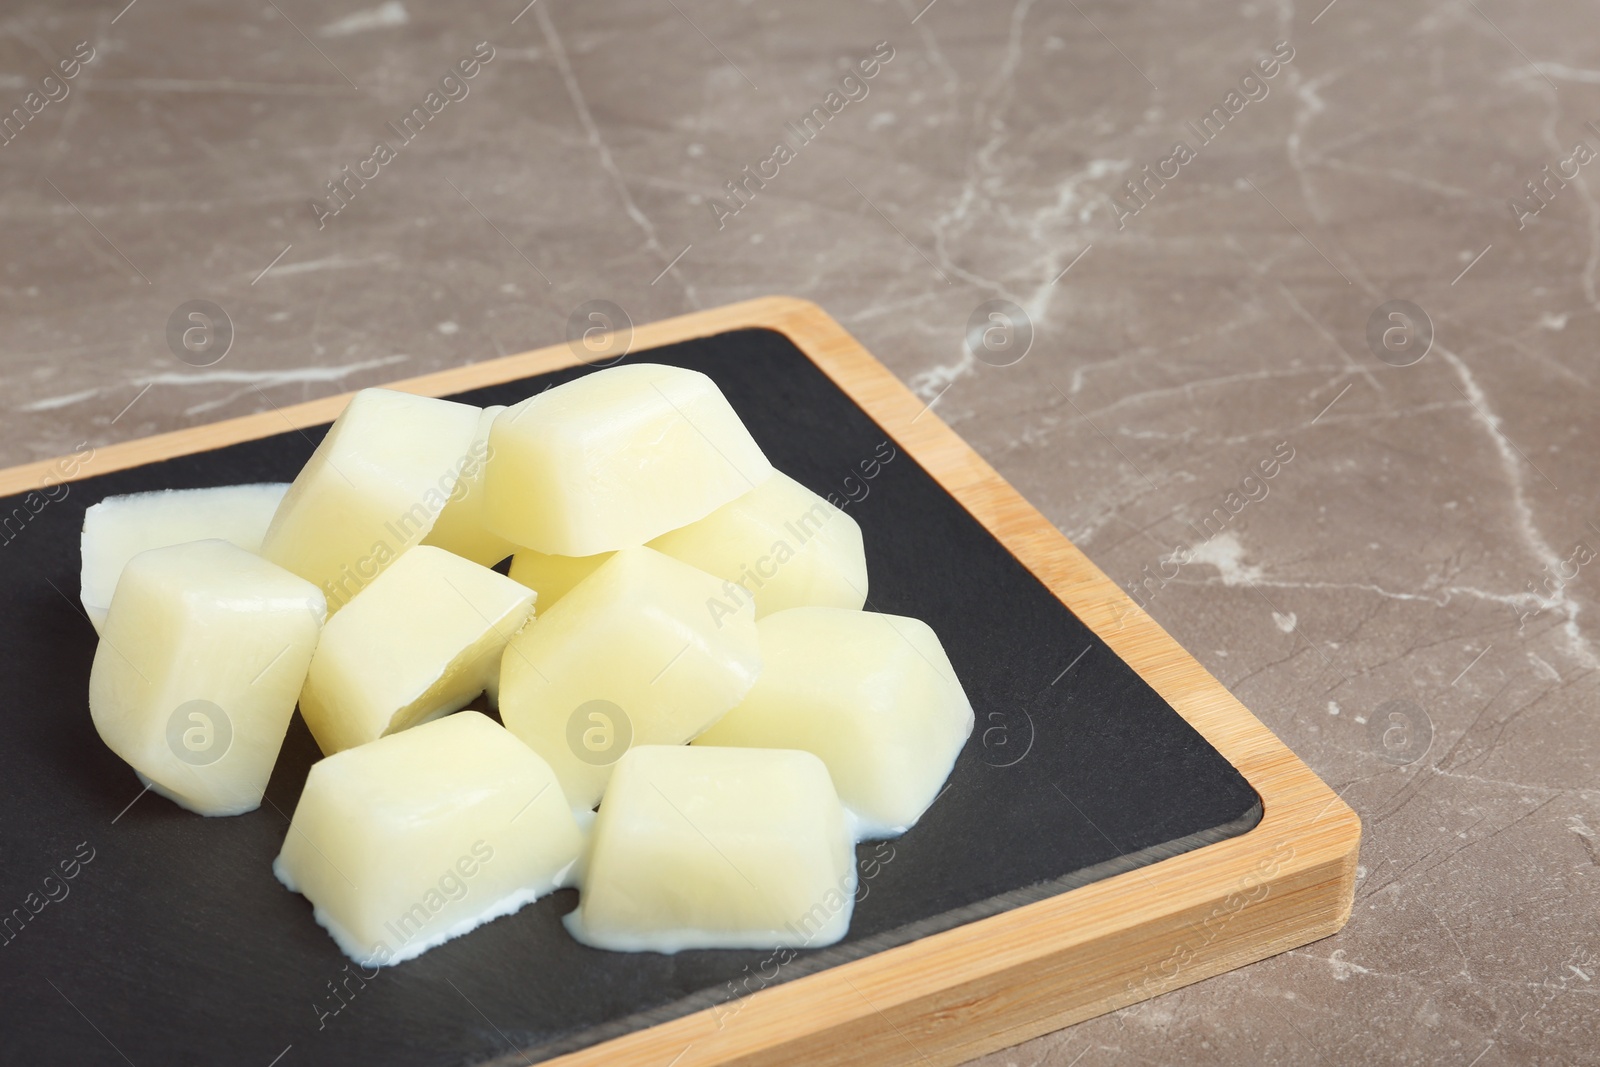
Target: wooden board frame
<point>1000,980</point>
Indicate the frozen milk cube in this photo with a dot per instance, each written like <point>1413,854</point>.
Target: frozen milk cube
<point>781,545</point>
<point>371,490</point>
<point>120,527</point>
<point>204,650</point>
<point>874,695</point>
<point>632,655</point>
<point>421,836</point>
<point>717,848</point>
<point>615,458</point>
<point>462,526</point>
<point>420,641</point>
<point>553,577</point>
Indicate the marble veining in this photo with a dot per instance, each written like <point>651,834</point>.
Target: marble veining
<point>1427,548</point>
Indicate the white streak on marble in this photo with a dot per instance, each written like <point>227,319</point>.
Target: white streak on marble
<point>1515,468</point>
<point>1226,554</point>
<point>982,167</point>
<point>218,85</point>
<point>1069,208</point>
<point>1081,371</point>
<point>1416,181</point>
<point>1309,105</point>
<point>893,307</point>
<point>1543,669</point>
<point>952,79</point>
<point>55,403</point>
<point>1521,787</point>
<point>1591,263</point>
<point>1562,72</point>
<point>973,204</point>
<point>1187,388</point>
<point>1279,433</point>
<point>1322,331</point>
<point>1439,599</point>
<point>1343,968</point>
<point>289,376</point>
<point>521,55</point>
<point>1538,353</point>
<point>619,183</point>
<point>253,380</point>
<point>929,382</point>
<point>384,16</point>
<point>331,263</point>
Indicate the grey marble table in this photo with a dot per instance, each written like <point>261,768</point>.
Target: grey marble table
<point>1406,601</point>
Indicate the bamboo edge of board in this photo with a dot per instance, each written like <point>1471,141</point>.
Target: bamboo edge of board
<point>988,984</point>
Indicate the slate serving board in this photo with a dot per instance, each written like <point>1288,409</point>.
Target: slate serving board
<point>172,943</point>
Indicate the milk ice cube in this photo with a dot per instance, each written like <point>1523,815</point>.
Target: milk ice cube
<point>421,836</point>
<point>632,655</point>
<point>195,678</point>
<point>717,848</point>
<point>420,641</point>
<point>615,458</point>
<point>873,695</point>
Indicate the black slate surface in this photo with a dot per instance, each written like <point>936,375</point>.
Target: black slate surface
<point>173,944</point>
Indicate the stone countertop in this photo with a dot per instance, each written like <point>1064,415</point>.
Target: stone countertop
<point>1421,553</point>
